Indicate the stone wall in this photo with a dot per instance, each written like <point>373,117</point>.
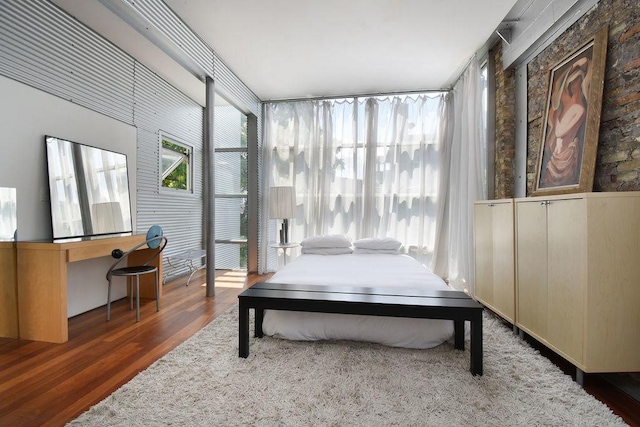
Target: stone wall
<point>618,156</point>
<point>505,126</point>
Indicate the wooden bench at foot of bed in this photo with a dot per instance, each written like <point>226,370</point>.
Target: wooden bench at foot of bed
<point>427,304</point>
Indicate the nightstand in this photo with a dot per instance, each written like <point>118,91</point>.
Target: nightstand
<point>285,247</point>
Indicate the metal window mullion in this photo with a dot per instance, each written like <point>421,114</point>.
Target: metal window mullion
<point>231,196</point>
<point>231,150</point>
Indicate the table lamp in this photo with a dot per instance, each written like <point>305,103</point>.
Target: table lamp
<point>282,205</point>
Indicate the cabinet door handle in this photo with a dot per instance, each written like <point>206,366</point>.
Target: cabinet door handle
<point>545,203</point>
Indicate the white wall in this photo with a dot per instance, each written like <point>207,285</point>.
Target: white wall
<point>26,115</point>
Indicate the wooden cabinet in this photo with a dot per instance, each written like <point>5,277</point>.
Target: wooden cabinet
<point>551,280</point>
<point>494,251</point>
<point>578,277</point>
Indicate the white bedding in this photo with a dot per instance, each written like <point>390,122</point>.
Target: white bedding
<point>366,270</point>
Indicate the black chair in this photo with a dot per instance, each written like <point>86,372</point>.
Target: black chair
<point>131,272</point>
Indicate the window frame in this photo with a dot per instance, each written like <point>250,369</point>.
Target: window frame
<point>244,148</point>
<point>240,241</point>
<point>164,136</point>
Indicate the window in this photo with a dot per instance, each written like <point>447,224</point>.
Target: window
<point>175,164</point>
<point>231,187</point>
<point>488,126</point>
<point>365,167</point>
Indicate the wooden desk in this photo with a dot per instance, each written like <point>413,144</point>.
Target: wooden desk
<point>8,291</point>
<point>42,281</point>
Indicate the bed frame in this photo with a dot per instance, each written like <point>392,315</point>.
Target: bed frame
<point>427,304</point>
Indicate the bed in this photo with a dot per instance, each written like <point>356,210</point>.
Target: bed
<point>381,269</point>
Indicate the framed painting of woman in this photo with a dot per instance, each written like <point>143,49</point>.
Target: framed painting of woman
<point>569,143</point>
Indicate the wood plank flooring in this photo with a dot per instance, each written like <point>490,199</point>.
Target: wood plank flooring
<point>52,384</point>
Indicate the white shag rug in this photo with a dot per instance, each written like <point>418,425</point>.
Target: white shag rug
<point>203,382</point>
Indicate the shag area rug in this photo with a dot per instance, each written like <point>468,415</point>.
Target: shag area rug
<point>203,382</point>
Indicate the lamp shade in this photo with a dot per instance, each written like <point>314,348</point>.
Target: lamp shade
<point>282,203</point>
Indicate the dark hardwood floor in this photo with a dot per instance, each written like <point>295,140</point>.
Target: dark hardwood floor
<point>51,384</point>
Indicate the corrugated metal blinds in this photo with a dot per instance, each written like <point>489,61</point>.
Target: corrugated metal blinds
<point>43,47</point>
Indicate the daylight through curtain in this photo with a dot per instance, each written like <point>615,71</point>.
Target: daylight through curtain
<point>467,180</point>
<point>364,167</point>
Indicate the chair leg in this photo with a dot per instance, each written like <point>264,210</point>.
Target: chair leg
<point>137,298</point>
<point>130,281</point>
<point>157,292</point>
<point>109,301</point>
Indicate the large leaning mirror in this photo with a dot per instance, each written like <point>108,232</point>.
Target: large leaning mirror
<point>89,189</point>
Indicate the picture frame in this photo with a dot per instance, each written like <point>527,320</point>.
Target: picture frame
<point>569,140</point>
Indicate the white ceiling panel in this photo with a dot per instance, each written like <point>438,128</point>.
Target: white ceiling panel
<point>284,49</point>
<point>292,49</point>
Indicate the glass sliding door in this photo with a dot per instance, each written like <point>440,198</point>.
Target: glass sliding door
<point>231,187</point>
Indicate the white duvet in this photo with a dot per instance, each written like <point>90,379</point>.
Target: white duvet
<point>364,270</point>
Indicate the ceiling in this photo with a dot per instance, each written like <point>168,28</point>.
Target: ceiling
<point>283,49</point>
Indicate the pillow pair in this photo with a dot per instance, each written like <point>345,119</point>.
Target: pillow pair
<point>377,245</point>
<point>333,244</point>
<point>338,244</point>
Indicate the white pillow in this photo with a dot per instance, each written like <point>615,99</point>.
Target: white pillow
<point>326,251</point>
<point>327,241</point>
<point>376,251</point>
<point>386,243</point>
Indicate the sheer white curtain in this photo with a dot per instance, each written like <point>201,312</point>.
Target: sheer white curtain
<point>366,167</point>
<point>402,139</point>
<point>467,182</point>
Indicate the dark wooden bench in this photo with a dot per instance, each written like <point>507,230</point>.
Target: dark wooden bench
<point>424,304</point>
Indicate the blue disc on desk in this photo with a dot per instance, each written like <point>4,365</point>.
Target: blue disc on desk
<point>154,231</point>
